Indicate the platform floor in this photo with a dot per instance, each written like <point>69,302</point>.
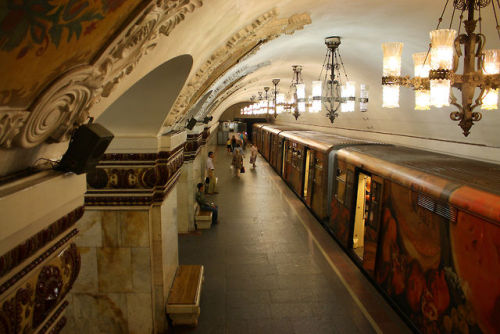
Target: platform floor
<point>271,268</point>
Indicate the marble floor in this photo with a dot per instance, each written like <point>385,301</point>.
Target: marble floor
<point>271,268</point>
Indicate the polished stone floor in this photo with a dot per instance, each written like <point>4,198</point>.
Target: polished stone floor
<point>271,268</point>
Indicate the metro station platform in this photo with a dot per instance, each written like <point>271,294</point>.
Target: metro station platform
<point>270,267</point>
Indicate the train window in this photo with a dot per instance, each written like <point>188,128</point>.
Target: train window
<point>373,214</point>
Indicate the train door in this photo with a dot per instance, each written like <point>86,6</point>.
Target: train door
<point>308,177</point>
<point>363,197</point>
<point>372,224</point>
<point>272,154</point>
<point>286,159</point>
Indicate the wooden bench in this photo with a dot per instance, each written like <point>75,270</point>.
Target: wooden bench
<point>183,304</point>
<point>202,218</point>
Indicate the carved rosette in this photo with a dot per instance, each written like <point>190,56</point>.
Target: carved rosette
<point>59,111</point>
<point>66,103</point>
<point>26,308</point>
<point>134,179</point>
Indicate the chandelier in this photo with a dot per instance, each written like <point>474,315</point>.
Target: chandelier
<point>436,69</point>
<point>336,91</point>
<point>297,99</point>
<point>261,105</point>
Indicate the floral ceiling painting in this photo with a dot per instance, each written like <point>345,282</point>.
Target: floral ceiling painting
<point>41,39</point>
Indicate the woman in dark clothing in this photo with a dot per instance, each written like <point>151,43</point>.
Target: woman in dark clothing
<point>233,143</point>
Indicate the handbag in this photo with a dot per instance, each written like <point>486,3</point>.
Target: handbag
<point>207,180</point>
<point>242,170</point>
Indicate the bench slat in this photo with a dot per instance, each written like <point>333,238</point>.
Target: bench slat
<point>185,285</point>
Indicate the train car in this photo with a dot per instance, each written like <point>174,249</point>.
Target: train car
<point>266,131</point>
<point>426,228</point>
<point>308,166</point>
<point>275,144</point>
<point>257,135</point>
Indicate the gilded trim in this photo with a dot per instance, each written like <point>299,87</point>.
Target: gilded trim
<point>14,279</point>
<point>60,324</point>
<point>20,253</point>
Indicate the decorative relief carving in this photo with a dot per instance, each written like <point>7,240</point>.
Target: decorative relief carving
<point>11,123</point>
<point>65,104</point>
<point>225,83</point>
<point>244,42</point>
<point>24,309</point>
<point>59,325</point>
<point>134,179</point>
<point>192,146</point>
<point>16,256</point>
<point>204,136</point>
<point>59,111</point>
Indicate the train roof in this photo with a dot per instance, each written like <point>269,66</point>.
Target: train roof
<point>461,171</point>
<point>259,125</point>
<point>278,128</point>
<point>321,141</point>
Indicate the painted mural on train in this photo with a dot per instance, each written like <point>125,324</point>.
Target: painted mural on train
<point>442,274</point>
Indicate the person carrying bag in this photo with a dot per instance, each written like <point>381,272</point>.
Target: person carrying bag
<point>237,163</point>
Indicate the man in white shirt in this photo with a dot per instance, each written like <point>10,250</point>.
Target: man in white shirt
<point>211,174</point>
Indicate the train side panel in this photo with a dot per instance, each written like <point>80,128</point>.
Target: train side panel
<point>433,247</point>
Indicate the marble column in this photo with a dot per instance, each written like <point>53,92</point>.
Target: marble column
<point>192,173</point>
<point>129,239</point>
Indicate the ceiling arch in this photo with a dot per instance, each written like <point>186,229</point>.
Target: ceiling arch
<point>141,110</point>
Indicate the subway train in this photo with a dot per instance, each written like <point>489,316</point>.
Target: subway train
<point>423,226</point>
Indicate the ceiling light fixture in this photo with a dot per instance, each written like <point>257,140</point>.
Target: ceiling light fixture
<point>436,72</point>
<point>332,90</point>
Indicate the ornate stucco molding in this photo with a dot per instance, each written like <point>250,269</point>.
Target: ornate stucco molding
<point>26,307</point>
<point>193,146</point>
<point>130,179</point>
<point>244,42</point>
<point>225,94</point>
<point>226,83</point>
<point>30,246</point>
<point>66,102</point>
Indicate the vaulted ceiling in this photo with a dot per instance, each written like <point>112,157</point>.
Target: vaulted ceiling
<point>62,61</point>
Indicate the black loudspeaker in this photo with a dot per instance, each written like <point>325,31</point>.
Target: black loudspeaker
<point>207,119</point>
<point>86,147</point>
<point>191,123</point>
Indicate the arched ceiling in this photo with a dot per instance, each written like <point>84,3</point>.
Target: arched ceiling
<point>141,110</point>
<point>238,47</point>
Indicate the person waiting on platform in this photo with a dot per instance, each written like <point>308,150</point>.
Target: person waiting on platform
<point>204,204</point>
<point>239,149</point>
<point>228,146</point>
<point>253,154</point>
<point>237,161</point>
<point>212,180</point>
<point>233,143</point>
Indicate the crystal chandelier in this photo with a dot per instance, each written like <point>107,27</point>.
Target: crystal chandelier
<point>436,69</point>
<point>334,91</point>
<point>297,94</point>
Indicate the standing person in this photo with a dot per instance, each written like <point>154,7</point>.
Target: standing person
<point>212,180</point>
<point>237,162</point>
<point>253,154</point>
<point>204,204</point>
<point>243,143</point>
<point>238,148</point>
<point>233,143</point>
<point>228,145</point>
